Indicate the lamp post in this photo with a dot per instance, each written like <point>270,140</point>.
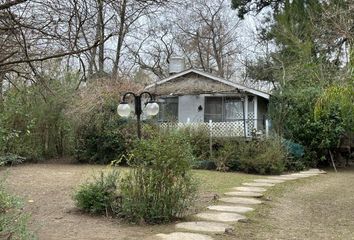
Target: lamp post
<point>152,108</point>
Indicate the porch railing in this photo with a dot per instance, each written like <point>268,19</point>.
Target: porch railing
<point>237,128</point>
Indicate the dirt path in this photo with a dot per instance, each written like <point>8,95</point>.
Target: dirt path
<point>321,208</point>
<point>53,215</point>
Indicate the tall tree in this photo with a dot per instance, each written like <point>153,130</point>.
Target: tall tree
<point>312,51</point>
<point>205,32</point>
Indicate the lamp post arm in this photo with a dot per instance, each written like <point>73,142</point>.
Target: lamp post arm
<point>137,103</point>
<point>126,94</point>
<point>149,94</point>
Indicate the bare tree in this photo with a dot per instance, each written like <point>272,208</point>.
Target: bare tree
<point>37,31</point>
<point>210,40</point>
<point>203,31</point>
<point>130,20</point>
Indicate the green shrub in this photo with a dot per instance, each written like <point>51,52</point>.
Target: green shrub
<point>295,156</point>
<point>33,123</point>
<point>11,159</point>
<point>99,196</point>
<point>262,157</point>
<point>204,164</point>
<point>13,222</point>
<point>160,186</point>
<point>99,139</point>
<point>225,154</point>
<point>199,141</point>
<point>265,156</point>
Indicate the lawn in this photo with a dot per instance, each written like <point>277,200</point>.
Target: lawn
<point>220,182</point>
<point>47,190</point>
<point>319,207</point>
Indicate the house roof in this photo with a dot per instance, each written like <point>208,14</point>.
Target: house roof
<point>212,77</point>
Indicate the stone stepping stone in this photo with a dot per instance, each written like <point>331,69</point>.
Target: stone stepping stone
<point>236,209</point>
<point>285,178</point>
<point>314,170</point>
<point>268,181</point>
<point>201,226</point>
<point>244,194</point>
<point>301,175</point>
<point>256,184</point>
<point>183,236</point>
<point>289,176</point>
<point>240,200</point>
<point>307,174</point>
<point>220,216</point>
<point>250,189</point>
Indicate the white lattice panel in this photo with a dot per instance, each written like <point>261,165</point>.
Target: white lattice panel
<point>250,123</point>
<point>216,129</point>
<point>227,129</point>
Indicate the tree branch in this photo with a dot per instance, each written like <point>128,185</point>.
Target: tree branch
<point>59,55</point>
<point>9,4</point>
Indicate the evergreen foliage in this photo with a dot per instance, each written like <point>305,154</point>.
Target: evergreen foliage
<point>100,195</point>
<point>100,139</point>
<point>160,186</point>
<point>311,68</point>
<point>33,122</point>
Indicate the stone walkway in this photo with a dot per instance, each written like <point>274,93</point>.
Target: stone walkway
<point>220,218</point>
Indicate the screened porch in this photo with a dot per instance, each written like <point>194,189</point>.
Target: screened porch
<point>222,115</point>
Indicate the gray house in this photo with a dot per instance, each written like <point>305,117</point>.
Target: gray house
<point>196,97</point>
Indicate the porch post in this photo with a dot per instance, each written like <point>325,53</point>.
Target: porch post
<point>246,114</point>
<point>255,109</point>
<point>267,127</point>
<point>211,138</point>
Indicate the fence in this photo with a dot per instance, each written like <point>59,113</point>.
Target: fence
<point>237,128</point>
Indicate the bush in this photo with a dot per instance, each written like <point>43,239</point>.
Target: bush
<point>204,164</point>
<point>33,123</point>
<point>11,159</point>
<point>295,156</point>
<point>225,154</point>
<point>99,196</point>
<point>199,141</point>
<point>160,186</point>
<point>100,139</point>
<point>13,222</point>
<point>262,157</point>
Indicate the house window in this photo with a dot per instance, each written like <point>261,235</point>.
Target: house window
<point>223,109</point>
<point>213,109</point>
<point>233,109</point>
<point>168,109</point>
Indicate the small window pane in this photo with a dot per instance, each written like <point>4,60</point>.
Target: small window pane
<point>233,109</point>
<point>168,109</point>
<point>213,109</point>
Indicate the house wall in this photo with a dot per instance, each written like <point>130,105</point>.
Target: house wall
<point>188,108</point>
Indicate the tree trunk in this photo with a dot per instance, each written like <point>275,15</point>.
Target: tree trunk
<point>121,35</point>
<point>93,52</point>
<point>1,82</point>
<point>100,27</point>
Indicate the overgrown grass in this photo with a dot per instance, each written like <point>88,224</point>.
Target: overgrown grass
<point>13,221</point>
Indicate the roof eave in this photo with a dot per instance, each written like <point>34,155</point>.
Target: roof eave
<point>236,85</point>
